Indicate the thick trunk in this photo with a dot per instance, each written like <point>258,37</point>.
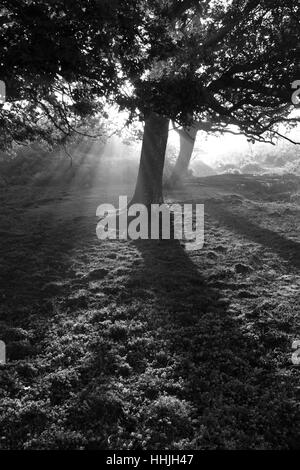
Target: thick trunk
<point>187,143</point>
<point>149,182</point>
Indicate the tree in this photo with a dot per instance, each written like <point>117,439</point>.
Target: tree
<point>58,61</point>
<point>186,60</point>
<point>187,136</point>
<point>149,183</point>
<point>237,72</point>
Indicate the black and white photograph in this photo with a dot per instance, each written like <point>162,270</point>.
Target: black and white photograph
<point>149,228</point>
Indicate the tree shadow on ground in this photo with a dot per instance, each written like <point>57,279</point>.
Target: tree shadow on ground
<point>210,360</point>
<point>151,359</point>
<point>285,248</point>
<point>36,271</point>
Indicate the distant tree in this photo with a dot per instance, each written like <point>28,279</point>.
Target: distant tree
<point>187,140</point>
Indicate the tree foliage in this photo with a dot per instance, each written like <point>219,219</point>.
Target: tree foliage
<point>226,62</point>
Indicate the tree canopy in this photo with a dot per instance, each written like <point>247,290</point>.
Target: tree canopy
<point>225,61</point>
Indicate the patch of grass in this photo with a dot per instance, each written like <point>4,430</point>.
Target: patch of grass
<point>144,346</point>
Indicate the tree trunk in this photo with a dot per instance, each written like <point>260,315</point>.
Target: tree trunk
<point>149,182</point>
<point>187,143</point>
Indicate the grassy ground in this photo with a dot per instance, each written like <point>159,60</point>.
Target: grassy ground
<point>141,345</point>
